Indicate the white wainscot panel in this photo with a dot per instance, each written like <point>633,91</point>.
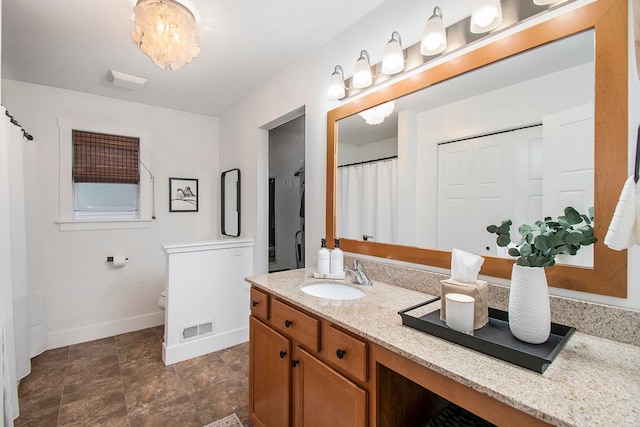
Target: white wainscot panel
<point>207,305</point>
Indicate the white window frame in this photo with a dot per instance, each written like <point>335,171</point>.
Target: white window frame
<point>67,219</point>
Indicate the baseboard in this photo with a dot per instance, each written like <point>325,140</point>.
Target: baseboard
<point>104,330</point>
<point>204,345</point>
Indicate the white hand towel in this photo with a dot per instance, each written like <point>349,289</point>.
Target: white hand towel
<point>622,230</point>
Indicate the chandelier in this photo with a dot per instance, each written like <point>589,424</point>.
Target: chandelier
<point>166,32</point>
<point>376,115</point>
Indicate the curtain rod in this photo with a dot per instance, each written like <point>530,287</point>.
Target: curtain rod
<point>369,161</point>
<point>15,122</point>
<point>482,135</point>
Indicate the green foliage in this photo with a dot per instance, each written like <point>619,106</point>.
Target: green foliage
<point>541,242</point>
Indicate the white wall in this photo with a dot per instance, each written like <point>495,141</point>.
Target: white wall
<point>351,153</point>
<point>243,139</point>
<point>633,258</point>
<point>306,84</point>
<point>85,297</point>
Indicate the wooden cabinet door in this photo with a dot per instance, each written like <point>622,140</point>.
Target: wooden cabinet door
<point>269,376</point>
<point>323,397</point>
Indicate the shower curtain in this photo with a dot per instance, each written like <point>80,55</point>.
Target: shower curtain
<point>367,202</point>
<point>14,293</point>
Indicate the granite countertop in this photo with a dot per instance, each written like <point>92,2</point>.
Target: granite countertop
<point>593,381</point>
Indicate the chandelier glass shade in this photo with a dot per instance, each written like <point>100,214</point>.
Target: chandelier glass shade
<point>376,115</point>
<point>166,32</point>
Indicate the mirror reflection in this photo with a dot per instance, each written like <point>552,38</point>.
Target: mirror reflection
<point>514,139</point>
<point>230,194</point>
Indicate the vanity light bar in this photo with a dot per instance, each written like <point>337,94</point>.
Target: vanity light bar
<point>488,17</point>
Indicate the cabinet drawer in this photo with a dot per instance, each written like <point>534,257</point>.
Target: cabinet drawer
<point>295,324</point>
<point>259,304</point>
<point>344,351</point>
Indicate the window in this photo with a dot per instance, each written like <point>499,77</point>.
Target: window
<point>102,183</point>
<point>105,174</point>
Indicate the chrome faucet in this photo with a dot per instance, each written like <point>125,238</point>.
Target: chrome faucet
<point>357,274</point>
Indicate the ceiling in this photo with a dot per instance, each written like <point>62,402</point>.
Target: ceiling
<point>72,44</point>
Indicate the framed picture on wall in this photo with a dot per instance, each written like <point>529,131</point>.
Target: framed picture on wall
<point>183,195</point>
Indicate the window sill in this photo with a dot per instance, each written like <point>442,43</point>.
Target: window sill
<point>82,224</point>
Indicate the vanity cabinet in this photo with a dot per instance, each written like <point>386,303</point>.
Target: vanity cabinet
<point>306,371</point>
<point>292,382</point>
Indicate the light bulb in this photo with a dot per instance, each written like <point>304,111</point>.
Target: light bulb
<point>486,16</point>
<point>434,38</point>
<point>547,2</point>
<point>393,57</point>
<point>362,77</point>
<point>336,84</point>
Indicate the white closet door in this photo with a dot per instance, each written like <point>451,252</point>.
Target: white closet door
<point>568,168</point>
<point>475,187</point>
<point>485,180</point>
<point>528,178</point>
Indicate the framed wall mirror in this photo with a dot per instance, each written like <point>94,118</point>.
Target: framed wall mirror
<point>494,116</point>
<point>230,195</point>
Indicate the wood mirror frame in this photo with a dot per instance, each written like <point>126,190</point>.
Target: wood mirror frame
<point>609,19</point>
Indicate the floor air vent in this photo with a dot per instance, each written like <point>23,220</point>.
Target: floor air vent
<point>195,331</point>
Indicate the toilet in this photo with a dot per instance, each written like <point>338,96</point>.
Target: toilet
<point>162,300</point>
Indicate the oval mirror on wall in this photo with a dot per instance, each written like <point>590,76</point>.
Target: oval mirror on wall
<point>230,202</point>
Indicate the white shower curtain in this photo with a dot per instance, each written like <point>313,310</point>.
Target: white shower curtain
<point>13,265</point>
<point>367,202</point>
<point>37,320</point>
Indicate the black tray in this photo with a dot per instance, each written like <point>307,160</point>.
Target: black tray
<point>495,338</point>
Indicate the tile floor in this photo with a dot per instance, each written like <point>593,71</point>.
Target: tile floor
<point>122,382</point>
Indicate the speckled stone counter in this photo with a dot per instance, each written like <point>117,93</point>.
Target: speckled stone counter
<point>592,382</point>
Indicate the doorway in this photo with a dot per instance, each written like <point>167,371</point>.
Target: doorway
<point>286,196</point>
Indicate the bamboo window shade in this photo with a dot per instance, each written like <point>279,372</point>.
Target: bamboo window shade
<point>103,158</point>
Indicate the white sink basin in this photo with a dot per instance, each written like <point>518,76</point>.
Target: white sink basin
<point>332,291</point>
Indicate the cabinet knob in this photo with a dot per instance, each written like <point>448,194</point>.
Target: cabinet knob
<point>288,323</point>
<point>254,303</point>
<point>283,354</point>
<point>340,353</point>
<point>294,363</point>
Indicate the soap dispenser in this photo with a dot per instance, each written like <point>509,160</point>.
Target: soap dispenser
<point>324,258</point>
<point>337,259</point>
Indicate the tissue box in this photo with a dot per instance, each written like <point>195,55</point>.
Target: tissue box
<point>478,290</point>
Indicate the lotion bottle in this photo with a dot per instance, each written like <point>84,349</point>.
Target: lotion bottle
<point>324,258</point>
<point>337,259</point>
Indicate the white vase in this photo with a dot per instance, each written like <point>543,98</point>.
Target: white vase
<point>529,311</point>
